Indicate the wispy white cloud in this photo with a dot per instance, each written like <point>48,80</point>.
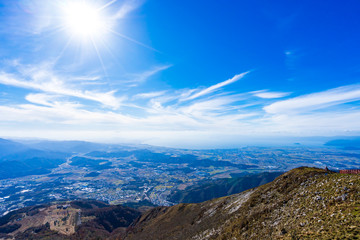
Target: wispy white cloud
<point>138,78</point>
<point>61,113</point>
<point>269,95</point>
<point>160,109</point>
<point>86,78</point>
<point>48,82</point>
<point>127,7</point>
<point>327,123</point>
<point>317,100</point>
<point>216,86</point>
<point>218,105</point>
<point>149,95</point>
<point>39,20</point>
<point>56,101</point>
<point>41,99</point>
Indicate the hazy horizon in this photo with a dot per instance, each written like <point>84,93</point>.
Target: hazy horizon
<point>318,141</point>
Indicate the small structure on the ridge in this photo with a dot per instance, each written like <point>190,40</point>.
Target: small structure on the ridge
<point>350,171</point>
<point>63,206</point>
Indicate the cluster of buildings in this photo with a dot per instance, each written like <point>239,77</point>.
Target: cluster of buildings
<point>350,171</point>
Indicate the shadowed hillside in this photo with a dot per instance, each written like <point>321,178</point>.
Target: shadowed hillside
<point>81,219</point>
<point>219,188</point>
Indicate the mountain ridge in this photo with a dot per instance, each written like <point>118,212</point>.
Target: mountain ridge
<point>304,203</point>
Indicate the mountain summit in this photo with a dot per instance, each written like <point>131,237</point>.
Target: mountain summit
<point>304,203</point>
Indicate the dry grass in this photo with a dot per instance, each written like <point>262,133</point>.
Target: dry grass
<point>305,203</point>
<point>60,220</point>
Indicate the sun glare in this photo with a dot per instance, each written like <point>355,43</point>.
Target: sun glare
<point>84,20</point>
<point>89,24</point>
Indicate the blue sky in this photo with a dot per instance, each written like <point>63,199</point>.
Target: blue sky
<point>179,73</point>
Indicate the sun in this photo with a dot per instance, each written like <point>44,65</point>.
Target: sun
<point>89,27</point>
<point>84,20</point>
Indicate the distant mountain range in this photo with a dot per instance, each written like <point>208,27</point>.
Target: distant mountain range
<point>66,146</point>
<point>37,157</point>
<point>18,160</point>
<point>40,157</point>
<point>8,147</point>
<point>348,144</point>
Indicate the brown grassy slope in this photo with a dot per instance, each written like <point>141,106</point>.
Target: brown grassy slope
<point>304,203</point>
<point>98,221</point>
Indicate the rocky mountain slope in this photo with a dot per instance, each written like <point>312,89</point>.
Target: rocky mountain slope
<point>304,203</point>
<point>82,219</point>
